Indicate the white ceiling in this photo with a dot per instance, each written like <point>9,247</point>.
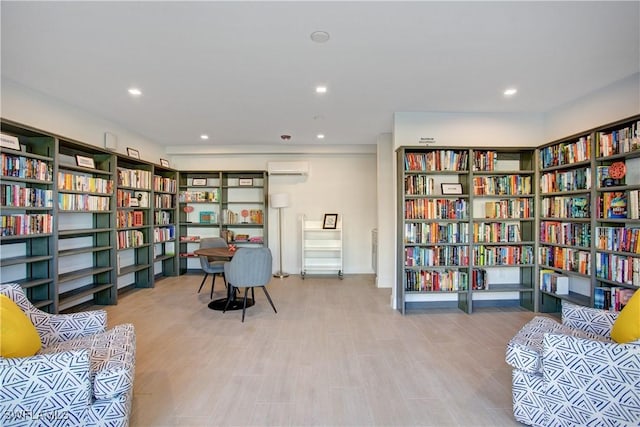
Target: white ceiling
<point>245,72</point>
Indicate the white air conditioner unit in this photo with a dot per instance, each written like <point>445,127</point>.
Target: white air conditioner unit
<point>288,168</point>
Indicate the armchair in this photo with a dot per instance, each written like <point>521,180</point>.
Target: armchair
<point>572,373</point>
<point>82,375</point>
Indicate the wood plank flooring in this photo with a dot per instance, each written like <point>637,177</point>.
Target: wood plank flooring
<point>335,354</point>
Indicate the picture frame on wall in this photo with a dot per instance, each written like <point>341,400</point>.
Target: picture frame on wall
<point>133,153</point>
<point>85,162</point>
<point>451,188</point>
<point>330,221</point>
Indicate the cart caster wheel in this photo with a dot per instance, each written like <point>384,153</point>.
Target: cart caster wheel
<point>340,274</point>
<point>302,274</point>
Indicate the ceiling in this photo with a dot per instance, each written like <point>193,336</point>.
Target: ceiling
<point>246,72</point>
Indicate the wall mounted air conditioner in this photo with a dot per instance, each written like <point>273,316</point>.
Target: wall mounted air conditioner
<point>288,168</point>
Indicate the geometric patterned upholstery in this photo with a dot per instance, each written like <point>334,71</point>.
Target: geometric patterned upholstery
<point>83,375</point>
<point>572,374</point>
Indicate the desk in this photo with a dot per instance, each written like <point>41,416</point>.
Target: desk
<point>219,304</point>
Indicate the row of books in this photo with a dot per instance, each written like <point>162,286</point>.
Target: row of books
<point>568,259</point>
<point>18,196</point>
<point>248,216</point>
<point>436,209</point>
<point>619,239</point>
<point>436,256</point>
<point>433,232</point>
<point>126,219</point>
<point>128,198</point>
<point>569,180</point>
<point>502,255</point>
<point>130,239</point>
<point>163,234</point>
<point>553,282</point>
<point>566,153</point>
<point>437,160</point>
<point>419,185</point>
<point>509,208</point>
<point>565,233</point>
<point>485,160</point>
<point>436,281</point>
<point>163,201</point>
<point>27,168</point>
<point>83,202</point>
<point>168,185</point>
<point>611,298</point>
<point>565,207</point>
<point>493,232</point>
<point>134,178</point>
<point>604,179</point>
<point>502,185</point>
<point>618,268</point>
<point>162,218</point>
<point>612,205</point>
<point>479,279</point>
<point>25,224</point>
<point>80,182</point>
<point>618,141</point>
<point>198,196</point>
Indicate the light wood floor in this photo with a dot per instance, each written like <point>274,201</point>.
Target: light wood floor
<point>335,354</point>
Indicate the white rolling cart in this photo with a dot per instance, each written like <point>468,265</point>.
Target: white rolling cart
<point>322,245</point>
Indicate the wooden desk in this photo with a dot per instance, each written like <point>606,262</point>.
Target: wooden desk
<point>221,303</point>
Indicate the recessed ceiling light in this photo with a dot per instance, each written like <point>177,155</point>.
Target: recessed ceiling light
<point>204,136</point>
<point>510,92</point>
<point>320,36</point>
<point>134,91</point>
<point>321,89</point>
<point>320,136</point>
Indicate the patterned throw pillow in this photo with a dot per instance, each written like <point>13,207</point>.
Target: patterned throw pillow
<point>18,336</point>
<point>627,326</point>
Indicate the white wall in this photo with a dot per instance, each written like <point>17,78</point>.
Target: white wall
<point>606,105</point>
<point>386,212</point>
<point>342,183</point>
<point>30,108</point>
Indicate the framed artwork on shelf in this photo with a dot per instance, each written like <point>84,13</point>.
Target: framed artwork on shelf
<point>451,188</point>
<point>164,163</point>
<point>245,182</point>
<point>85,162</point>
<point>330,221</point>
<point>199,182</point>
<point>132,152</point>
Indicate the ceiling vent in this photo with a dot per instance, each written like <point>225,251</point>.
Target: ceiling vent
<point>288,168</point>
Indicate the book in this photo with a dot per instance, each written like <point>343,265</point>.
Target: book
<point>207,217</point>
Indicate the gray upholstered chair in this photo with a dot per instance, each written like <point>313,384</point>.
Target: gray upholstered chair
<point>215,266</point>
<point>249,268</point>
<point>82,375</point>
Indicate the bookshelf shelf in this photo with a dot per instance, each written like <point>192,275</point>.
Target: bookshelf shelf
<point>475,241</point>
<point>321,249</point>
<point>27,238</point>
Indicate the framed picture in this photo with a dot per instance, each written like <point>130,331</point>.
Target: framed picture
<point>131,152</point>
<point>164,162</point>
<point>245,182</point>
<point>199,182</point>
<point>451,188</point>
<point>85,162</point>
<point>330,221</point>
<point>9,141</point>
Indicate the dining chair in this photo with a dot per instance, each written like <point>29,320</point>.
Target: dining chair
<point>249,268</point>
<point>214,267</point>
